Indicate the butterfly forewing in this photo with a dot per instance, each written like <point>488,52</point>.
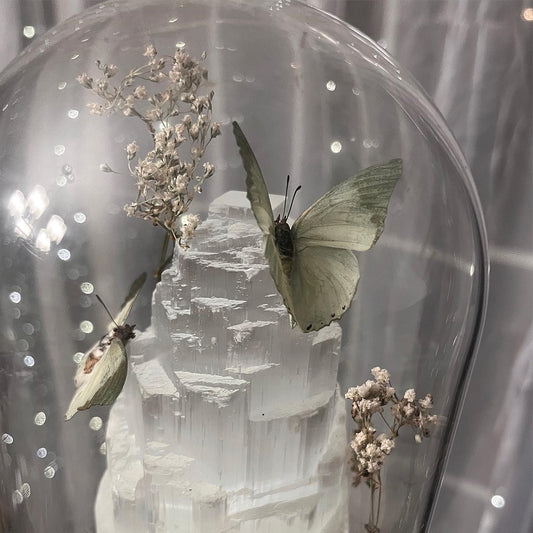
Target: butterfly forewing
<point>352,214</point>
<point>125,308</point>
<point>256,189</point>
<point>323,283</point>
<point>257,194</point>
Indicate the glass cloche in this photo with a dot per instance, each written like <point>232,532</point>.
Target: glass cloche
<point>229,419</point>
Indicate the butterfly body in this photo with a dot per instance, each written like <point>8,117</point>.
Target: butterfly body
<point>124,333</point>
<point>312,263</point>
<point>101,372</point>
<point>284,244</point>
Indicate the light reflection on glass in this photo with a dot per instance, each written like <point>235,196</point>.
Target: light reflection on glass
<point>17,204</point>
<point>42,242</point>
<point>23,228</point>
<point>56,229</point>
<point>37,201</point>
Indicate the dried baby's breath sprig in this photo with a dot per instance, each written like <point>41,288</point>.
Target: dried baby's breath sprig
<point>370,448</point>
<point>178,118</point>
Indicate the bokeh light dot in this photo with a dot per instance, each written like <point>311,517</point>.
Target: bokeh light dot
<point>23,345</point>
<point>63,254</point>
<point>497,501</point>
<point>77,357</point>
<point>73,113</point>
<point>42,453</point>
<point>86,326</point>
<point>80,217</point>
<point>95,423</point>
<point>39,419</point>
<point>59,149</point>
<point>7,438</point>
<point>15,297</point>
<point>29,361</point>
<point>29,31</point>
<point>336,147</point>
<point>331,85</point>
<point>49,472</point>
<point>103,448</point>
<point>25,490</point>
<point>86,287</point>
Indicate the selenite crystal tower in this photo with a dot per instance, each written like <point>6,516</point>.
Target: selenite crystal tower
<point>230,421</point>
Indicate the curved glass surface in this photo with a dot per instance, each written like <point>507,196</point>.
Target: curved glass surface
<point>319,101</point>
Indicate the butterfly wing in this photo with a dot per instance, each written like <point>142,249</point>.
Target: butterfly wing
<point>125,308</point>
<point>257,194</point>
<point>352,214</point>
<point>323,283</point>
<point>105,381</point>
<point>256,190</point>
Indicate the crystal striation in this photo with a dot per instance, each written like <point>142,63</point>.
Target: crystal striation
<point>230,421</point>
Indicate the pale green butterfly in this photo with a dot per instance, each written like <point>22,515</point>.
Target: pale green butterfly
<point>312,263</point>
<point>102,371</point>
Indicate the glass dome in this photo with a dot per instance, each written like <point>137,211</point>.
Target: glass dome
<point>319,101</point>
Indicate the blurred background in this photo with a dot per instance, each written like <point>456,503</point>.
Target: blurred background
<point>475,60</point>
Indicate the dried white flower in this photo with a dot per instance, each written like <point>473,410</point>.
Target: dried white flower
<point>380,374</point>
<point>131,150</point>
<point>369,451</point>
<point>177,116</point>
<point>410,395</point>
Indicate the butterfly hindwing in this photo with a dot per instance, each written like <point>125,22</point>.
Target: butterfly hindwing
<point>323,283</point>
<point>352,214</point>
<point>105,383</point>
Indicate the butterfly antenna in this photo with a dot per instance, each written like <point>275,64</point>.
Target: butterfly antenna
<point>286,191</point>
<point>107,310</point>
<point>293,197</point>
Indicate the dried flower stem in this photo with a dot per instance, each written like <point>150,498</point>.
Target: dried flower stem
<point>369,451</point>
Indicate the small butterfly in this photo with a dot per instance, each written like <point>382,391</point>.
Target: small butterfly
<point>102,370</point>
<point>312,263</point>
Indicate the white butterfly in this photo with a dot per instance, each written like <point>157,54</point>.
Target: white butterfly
<point>312,263</point>
<point>102,370</point>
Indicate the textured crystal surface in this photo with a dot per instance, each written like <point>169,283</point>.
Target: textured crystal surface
<point>230,420</point>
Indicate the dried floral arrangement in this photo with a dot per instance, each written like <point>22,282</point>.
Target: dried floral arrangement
<point>368,450</point>
<point>179,119</point>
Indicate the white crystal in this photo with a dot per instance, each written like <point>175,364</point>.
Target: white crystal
<point>230,420</point>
